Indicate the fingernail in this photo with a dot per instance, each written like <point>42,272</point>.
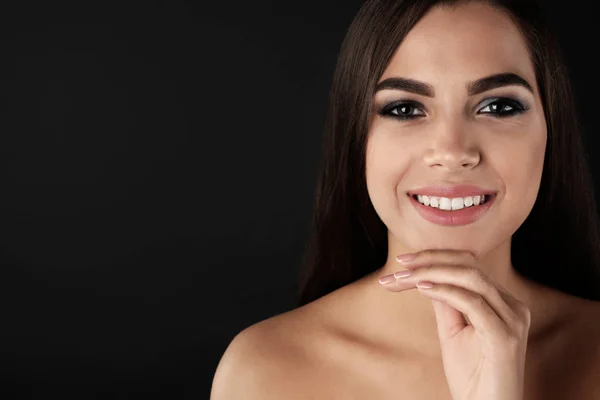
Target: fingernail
<point>402,274</point>
<point>387,279</point>
<point>424,285</point>
<point>406,257</point>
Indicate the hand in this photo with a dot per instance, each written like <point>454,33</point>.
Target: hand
<point>486,358</point>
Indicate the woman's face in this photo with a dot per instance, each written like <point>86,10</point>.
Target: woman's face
<point>457,136</point>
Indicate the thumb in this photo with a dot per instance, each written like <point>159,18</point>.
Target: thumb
<point>450,321</point>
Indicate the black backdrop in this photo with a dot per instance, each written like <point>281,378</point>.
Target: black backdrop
<point>158,163</point>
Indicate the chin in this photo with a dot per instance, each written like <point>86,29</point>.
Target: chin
<point>479,244</point>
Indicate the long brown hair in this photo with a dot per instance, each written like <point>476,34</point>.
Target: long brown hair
<point>557,245</point>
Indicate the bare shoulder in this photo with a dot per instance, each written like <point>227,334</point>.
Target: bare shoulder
<point>267,360</point>
<point>588,324</point>
<point>583,356</point>
<point>592,331</point>
<point>590,385</point>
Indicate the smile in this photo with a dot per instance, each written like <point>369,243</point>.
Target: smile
<point>457,203</point>
<point>452,211</point>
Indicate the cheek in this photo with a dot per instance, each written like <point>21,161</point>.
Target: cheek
<point>387,162</point>
<point>520,167</point>
<point>529,164</point>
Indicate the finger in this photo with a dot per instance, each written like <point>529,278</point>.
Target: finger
<point>449,320</point>
<point>483,318</point>
<point>452,257</point>
<point>426,257</point>
<point>469,278</point>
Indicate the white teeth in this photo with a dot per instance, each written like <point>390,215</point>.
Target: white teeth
<point>423,199</point>
<point>445,203</point>
<point>458,203</point>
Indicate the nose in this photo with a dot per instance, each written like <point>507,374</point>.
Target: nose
<point>452,148</point>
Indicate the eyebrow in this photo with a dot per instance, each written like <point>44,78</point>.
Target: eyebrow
<point>473,88</point>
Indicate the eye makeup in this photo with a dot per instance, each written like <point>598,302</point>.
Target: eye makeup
<point>512,106</point>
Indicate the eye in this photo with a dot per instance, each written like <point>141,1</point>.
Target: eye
<point>498,107</point>
<point>503,107</point>
<point>401,110</point>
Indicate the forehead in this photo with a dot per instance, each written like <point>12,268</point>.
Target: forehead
<point>461,43</point>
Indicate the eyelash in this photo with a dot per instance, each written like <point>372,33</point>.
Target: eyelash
<point>517,108</point>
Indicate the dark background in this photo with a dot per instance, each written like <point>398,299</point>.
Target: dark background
<point>158,163</point>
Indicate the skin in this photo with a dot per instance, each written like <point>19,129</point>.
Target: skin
<point>368,340</point>
<point>455,142</point>
<point>484,349</point>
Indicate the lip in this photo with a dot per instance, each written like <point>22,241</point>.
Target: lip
<point>452,191</point>
<point>464,216</point>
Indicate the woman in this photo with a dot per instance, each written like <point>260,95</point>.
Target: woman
<point>451,135</point>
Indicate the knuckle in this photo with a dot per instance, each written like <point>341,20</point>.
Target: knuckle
<point>524,312</point>
<point>423,270</point>
<point>523,331</point>
<point>519,303</point>
<point>527,320</point>
<point>428,252</point>
<point>475,273</point>
<point>520,327</point>
<point>467,257</point>
<point>527,313</point>
<point>521,318</point>
<point>470,255</point>
<point>479,301</point>
<point>477,277</point>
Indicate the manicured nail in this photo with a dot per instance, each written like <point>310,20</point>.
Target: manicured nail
<point>406,257</point>
<point>424,285</point>
<point>403,274</point>
<point>387,279</point>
